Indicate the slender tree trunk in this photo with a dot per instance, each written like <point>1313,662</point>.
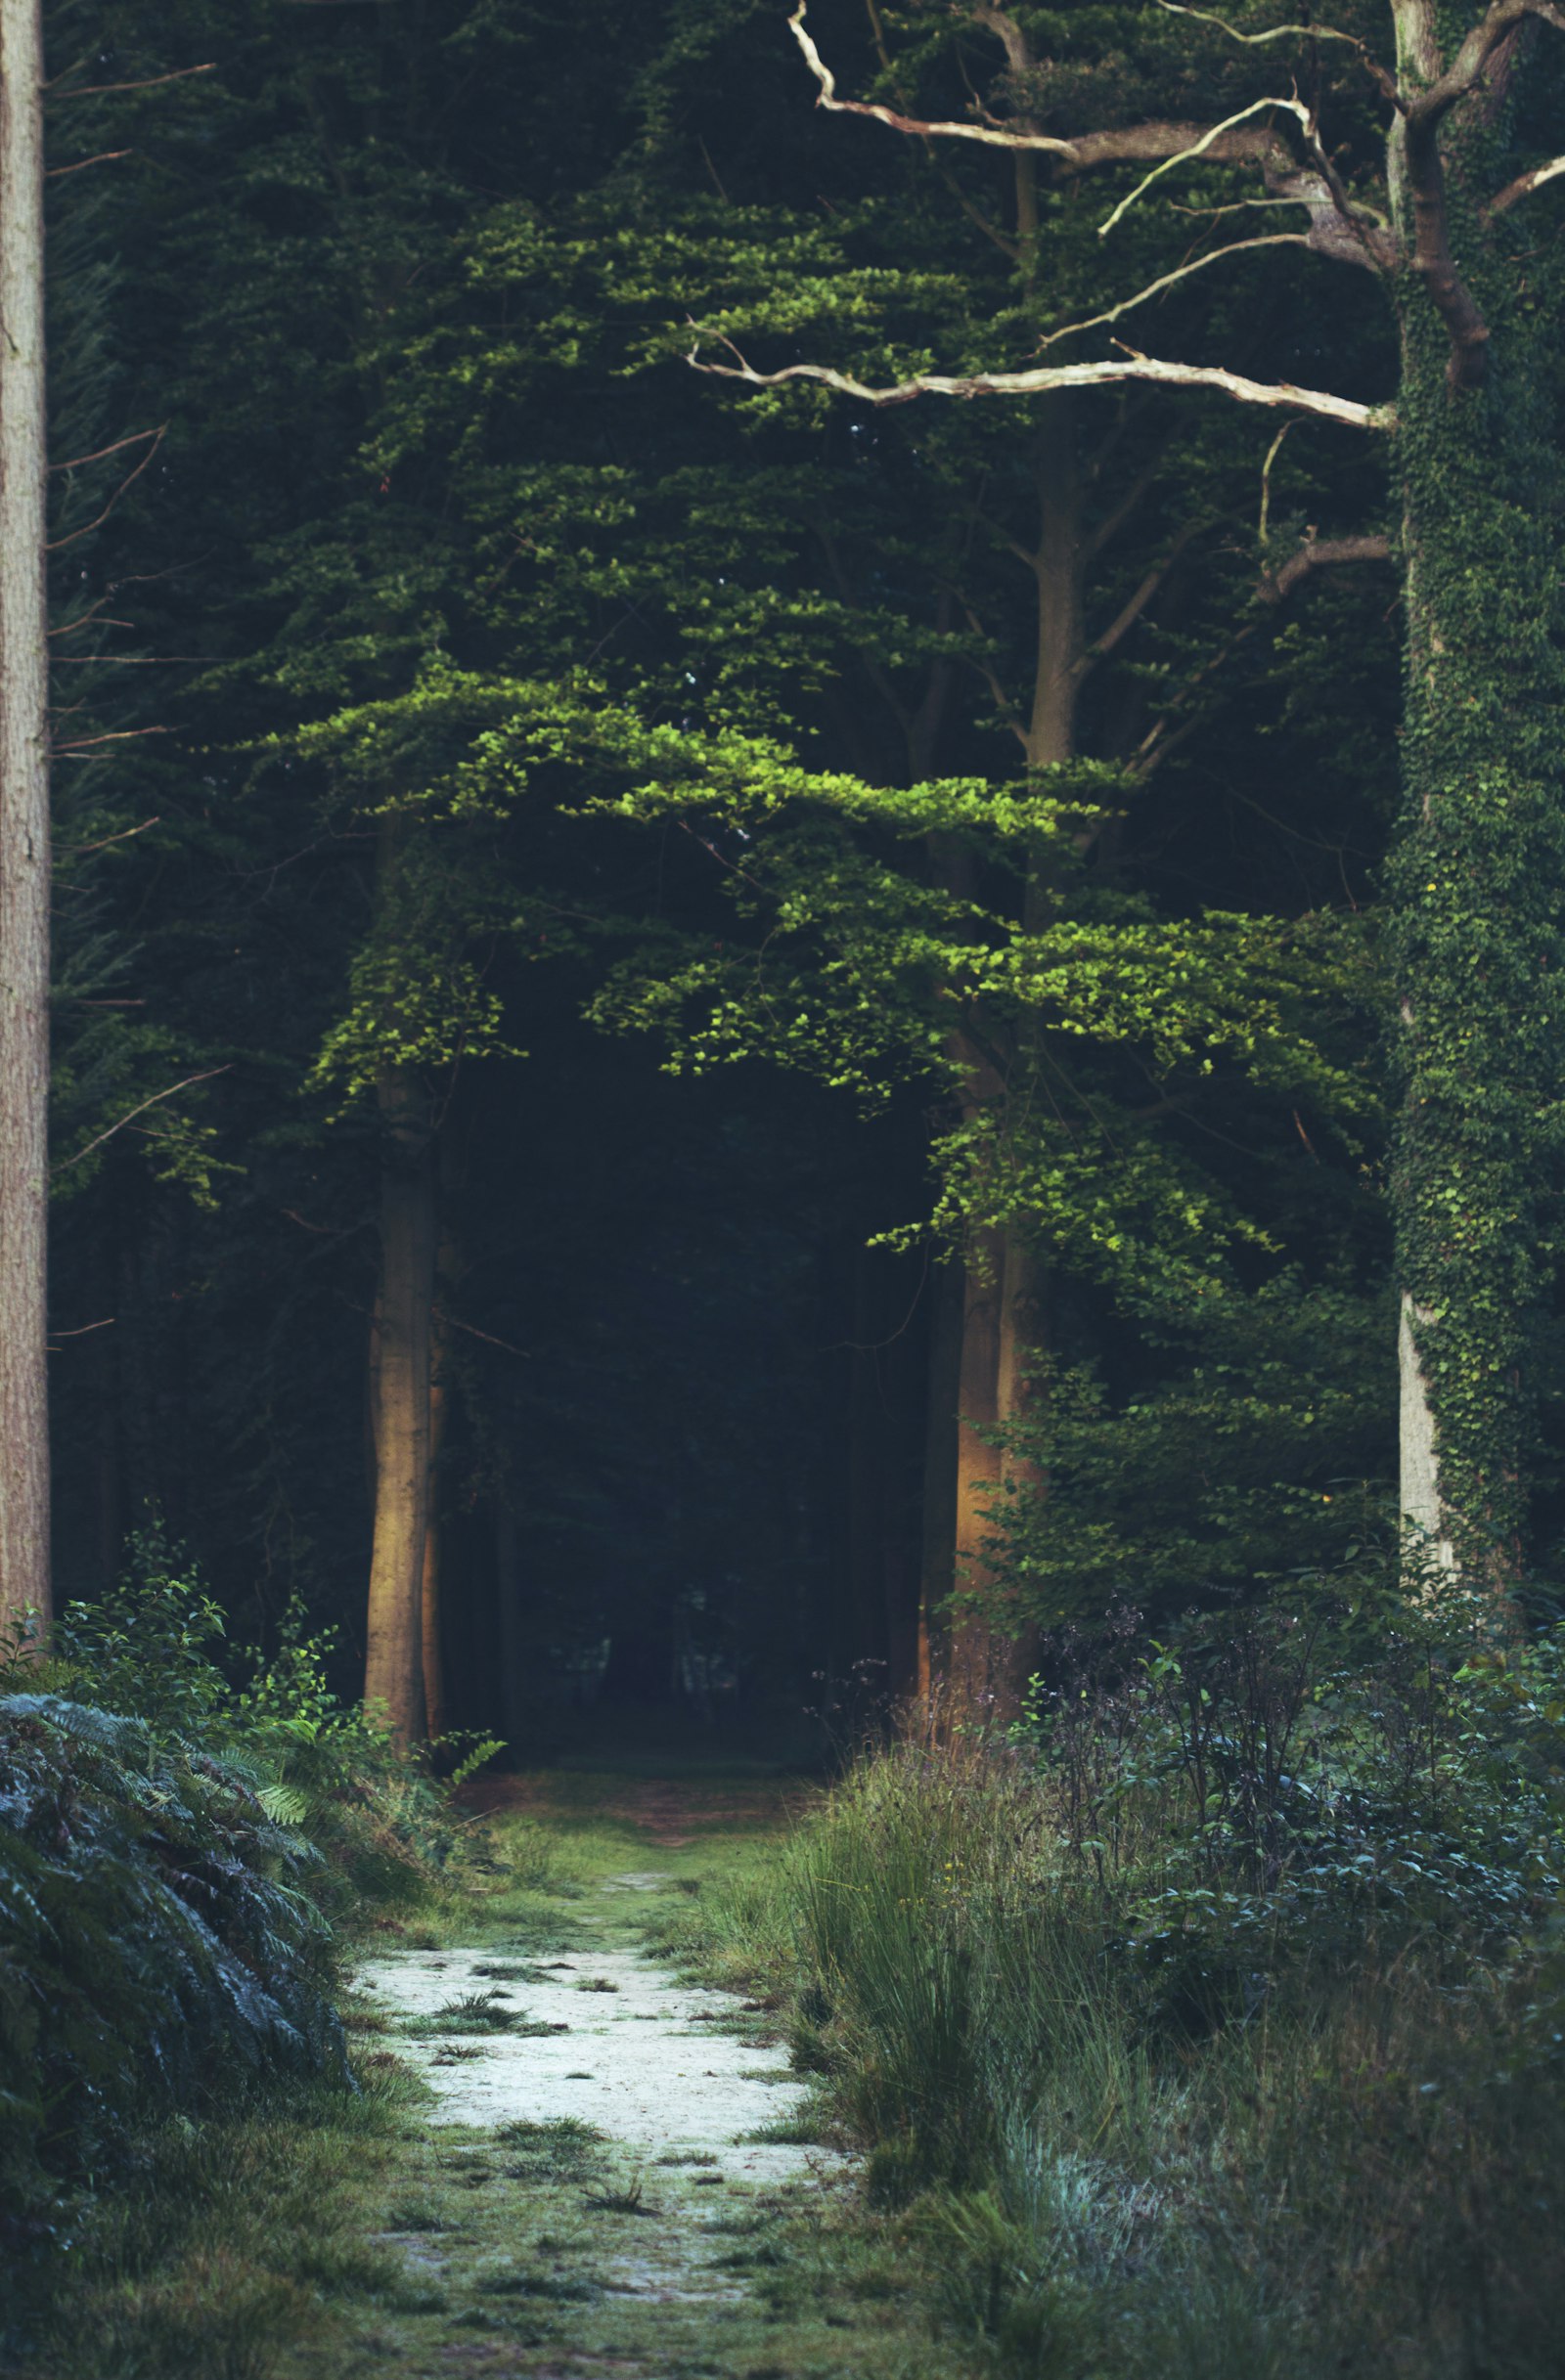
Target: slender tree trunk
<point>1002,1320</point>
<point>432,1659</point>
<point>24,856</point>
<point>393,1673</point>
<point>1000,1340</point>
<point>512,1639</point>
<point>940,1473</point>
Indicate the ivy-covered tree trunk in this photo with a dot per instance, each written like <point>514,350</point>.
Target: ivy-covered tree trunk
<point>393,1669</point>
<point>25,839</point>
<point>1478,877</point>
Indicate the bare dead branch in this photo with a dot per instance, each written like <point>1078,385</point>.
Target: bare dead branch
<point>79,850</point>
<point>990,136</point>
<point>1318,553</point>
<point>1278,32</point>
<point>104,157</point>
<point>1131,611</point>
<point>87,1327</point>
<point>116,735</point>
<point>1156,289</point>
<point>134,439</point>
<point>1200,147</point>
<point>1045,377</point>
<point>1126,144</point>
<point>130,1116</point>
<point>453,1322</point>
<point>156,437</point>
<point>152,83</point>
<point>1523,186</point>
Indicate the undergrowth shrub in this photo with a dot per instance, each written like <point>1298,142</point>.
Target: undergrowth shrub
<point>157,1927</point>
<point>1214,2023</point>
<point>179,1847</point>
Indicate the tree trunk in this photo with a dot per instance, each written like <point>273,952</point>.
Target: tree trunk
<point>512,1645</point>
<point>1477,870</point>
<point>986,1660</point>
<point>1002,1310</point>
<point>24,855</point>
<point>394,1672</point>
<point>432,1655</point>
<point>433,1661</point>
<point>940,1505</point>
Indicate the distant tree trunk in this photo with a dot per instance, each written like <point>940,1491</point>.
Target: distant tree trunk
<point>512,1645</point>
<point>432,1661</point>
<point>25,854</point>
<point>1000,1338</point>
<point>393,1673</point>
<point>1001,1320</point>
<point>940,1504</point>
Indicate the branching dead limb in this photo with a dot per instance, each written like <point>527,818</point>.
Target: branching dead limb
<point>1320,554</point>
<point>1045,377</point>
<point>1524,185</point>
<point>1156,289</point>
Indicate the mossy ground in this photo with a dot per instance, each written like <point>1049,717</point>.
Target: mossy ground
<point>324,2236</point>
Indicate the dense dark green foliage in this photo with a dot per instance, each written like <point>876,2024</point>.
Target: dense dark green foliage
<point>506,669</point>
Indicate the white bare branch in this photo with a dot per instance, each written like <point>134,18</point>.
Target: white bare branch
<point>1278,32</point>
<point>1524,185</point>
<point>992,137</point>
<point>1200,149</point>
<point>1045,377</point>
<point>1156,289</point>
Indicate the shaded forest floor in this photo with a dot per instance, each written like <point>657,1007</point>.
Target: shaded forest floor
<point>325,2238</point>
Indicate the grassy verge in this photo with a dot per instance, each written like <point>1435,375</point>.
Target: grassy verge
<point>1155,2083</point>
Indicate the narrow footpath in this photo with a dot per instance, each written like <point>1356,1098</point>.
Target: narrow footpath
<point>616,2171</point>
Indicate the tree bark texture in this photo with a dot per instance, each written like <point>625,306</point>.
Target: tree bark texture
<point>393,1670</point>
<point>985,1656</point>
<point>25,852</point>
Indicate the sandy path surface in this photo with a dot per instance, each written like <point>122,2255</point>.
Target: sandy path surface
<point>642,2057</point>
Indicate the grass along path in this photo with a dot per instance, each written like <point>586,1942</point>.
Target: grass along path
<point>636,2194</point>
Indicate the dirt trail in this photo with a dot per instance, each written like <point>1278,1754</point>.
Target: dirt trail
<point>617,2174</point>
<point>603,2038</point>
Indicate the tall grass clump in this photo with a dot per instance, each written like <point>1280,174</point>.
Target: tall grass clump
<point>1211,2023</point>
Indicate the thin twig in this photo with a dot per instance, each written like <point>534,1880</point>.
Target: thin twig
<point>100,90</point>
<point>104,157</point>
<point>114,735</point>
<point>133,439</point>
<point>57,545</point>
<point>1155,289</point>
<point>79,850</point>
<point>131,1117</point>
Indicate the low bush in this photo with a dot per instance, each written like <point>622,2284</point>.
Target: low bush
<point>178,1851</point>
<point>1213,2023</point>
<point>158,1928</point>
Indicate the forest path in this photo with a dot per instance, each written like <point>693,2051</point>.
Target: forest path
<point>587,2194</point>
